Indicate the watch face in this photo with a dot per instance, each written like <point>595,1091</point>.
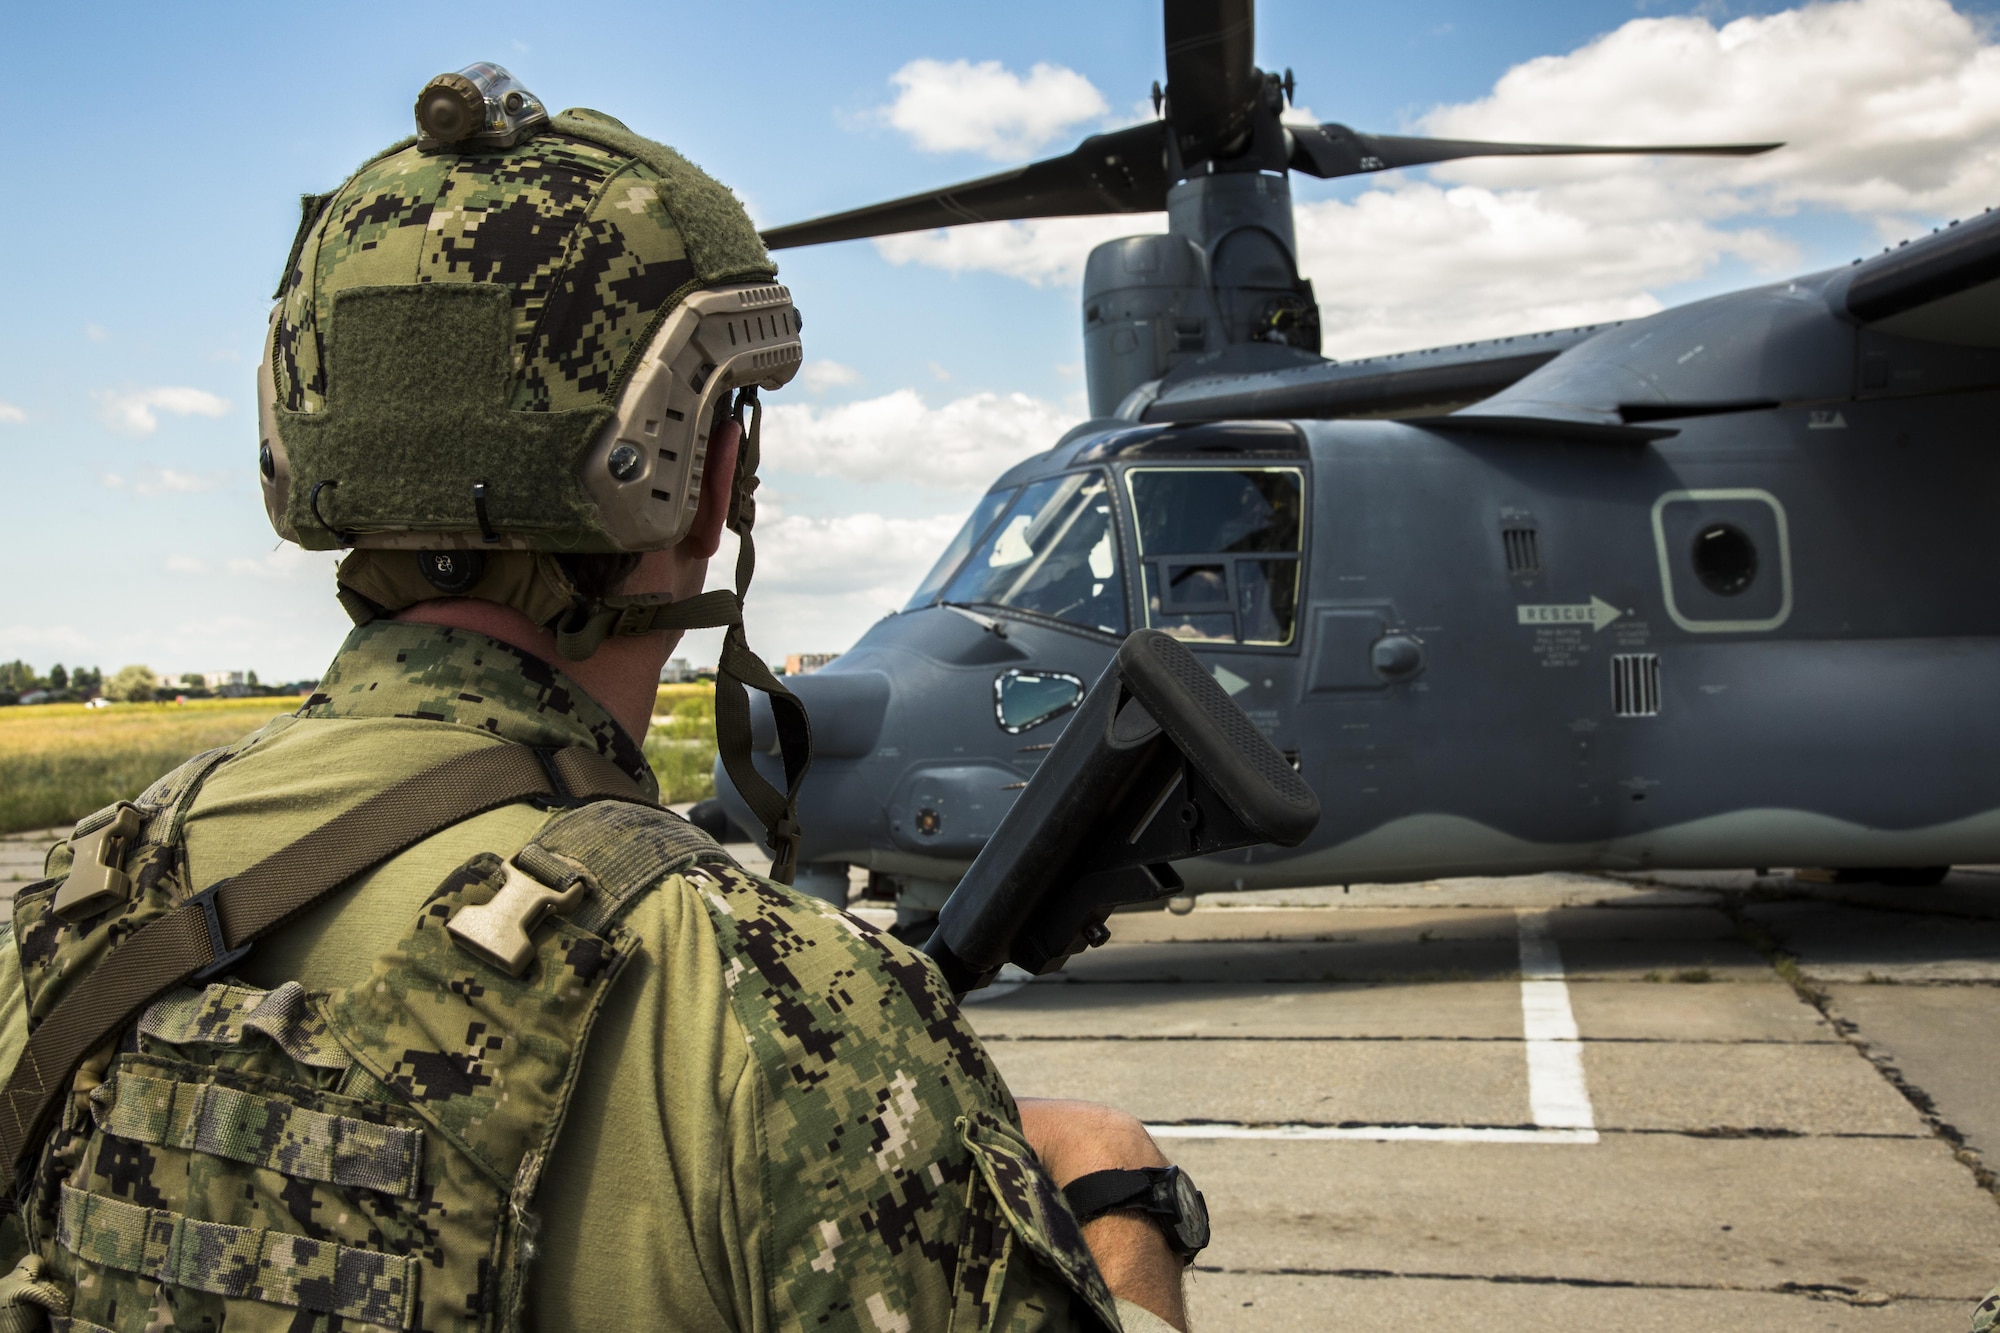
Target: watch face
<point>1192,1223</point>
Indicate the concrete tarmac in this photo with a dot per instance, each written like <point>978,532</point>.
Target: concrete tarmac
<point>1776,1111</point>
<point>1787,1097</point>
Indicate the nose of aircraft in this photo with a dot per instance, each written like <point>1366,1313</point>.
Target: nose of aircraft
<point>846,709</point>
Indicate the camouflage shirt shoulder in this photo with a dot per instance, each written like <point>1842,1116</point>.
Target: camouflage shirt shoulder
<point>899,1192</point>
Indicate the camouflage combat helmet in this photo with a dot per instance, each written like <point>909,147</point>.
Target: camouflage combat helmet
<point>506,343</point>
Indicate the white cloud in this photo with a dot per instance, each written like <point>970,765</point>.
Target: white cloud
<point>958,106</point>
<point>898,437</point>
<point>821,374</point>
<point>821,582</point>
<point>11,413</point>
<point>286,562</point>
<point>22,639</point>
<point>96,333</point>
<point>1419,265</point>
<point>1043,252</point>
<point>186,564</point>
<point>137,412</point>
<point>1890,111</point>
<point>881,556</point>
<point>166,481</point>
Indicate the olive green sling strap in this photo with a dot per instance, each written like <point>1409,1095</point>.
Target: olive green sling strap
<point>217,926</point>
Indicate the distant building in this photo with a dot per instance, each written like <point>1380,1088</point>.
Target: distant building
<point>219,680</point>
<point>677,672</point>
<point>804,664</point>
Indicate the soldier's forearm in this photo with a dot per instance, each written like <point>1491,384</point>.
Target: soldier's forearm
<point>1075,1138</point>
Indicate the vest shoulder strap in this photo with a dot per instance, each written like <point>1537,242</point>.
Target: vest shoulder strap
<point>624,849</point>
<point>165,943</point>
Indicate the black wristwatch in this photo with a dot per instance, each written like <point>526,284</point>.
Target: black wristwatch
<point>1165,1193</point>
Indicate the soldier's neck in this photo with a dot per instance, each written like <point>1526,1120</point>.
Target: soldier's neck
<point>622,676</point>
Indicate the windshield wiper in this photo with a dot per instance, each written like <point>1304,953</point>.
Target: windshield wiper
<point>994,627</point>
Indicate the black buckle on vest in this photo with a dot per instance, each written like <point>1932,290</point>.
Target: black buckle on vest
<point>224,956</point>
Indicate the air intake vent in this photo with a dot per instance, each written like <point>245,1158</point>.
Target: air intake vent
<point>1524,550</point>
<point>1635,684</point>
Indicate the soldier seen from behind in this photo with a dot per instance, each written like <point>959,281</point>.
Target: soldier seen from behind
<point>414,1010</point>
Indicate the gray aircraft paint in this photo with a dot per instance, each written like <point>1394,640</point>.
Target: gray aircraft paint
<point>1711,588</point>
<point>1837,711</point>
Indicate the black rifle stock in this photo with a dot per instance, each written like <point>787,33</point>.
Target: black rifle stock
<point>1158,765</point>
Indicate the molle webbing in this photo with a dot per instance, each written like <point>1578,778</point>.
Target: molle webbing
<point>213,927</point>
<point>248,1263</point>
<point>269,1132</point>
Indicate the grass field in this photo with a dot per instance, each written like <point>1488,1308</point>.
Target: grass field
<point>681,743</point>
<point>58,762</point>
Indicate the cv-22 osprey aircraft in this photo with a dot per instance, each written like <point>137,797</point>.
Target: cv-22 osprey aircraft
<point>1715,588</point>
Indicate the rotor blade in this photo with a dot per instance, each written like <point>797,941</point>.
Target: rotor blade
<point>1327,151</point>
<point>1212,83</point>
<point>1120,172</point>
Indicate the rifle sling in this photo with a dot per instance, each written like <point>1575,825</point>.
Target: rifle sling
<point>183,943</point>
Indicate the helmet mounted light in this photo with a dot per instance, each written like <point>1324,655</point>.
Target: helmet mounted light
<point>481,105</point>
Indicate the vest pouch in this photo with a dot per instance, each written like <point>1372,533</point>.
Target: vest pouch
<point>363,1159</point>
<point>1016,1215</point>
<point>238,1169</point>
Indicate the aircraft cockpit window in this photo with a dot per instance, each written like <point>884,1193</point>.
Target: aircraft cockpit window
<point>1054,552</point>
<point>981,518</point>
<point>1220,549</point>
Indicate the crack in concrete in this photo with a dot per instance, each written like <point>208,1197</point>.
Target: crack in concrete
<point>1818,1291</point>
<point>1729,1132</point>
<point>1786,964</point>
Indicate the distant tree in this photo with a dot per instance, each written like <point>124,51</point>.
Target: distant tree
<point>86,680</point>
<point>192,680</point>
<point>58,678</point>
<point>133,684</point>
<point>19,677</point>
<point>252,679</point>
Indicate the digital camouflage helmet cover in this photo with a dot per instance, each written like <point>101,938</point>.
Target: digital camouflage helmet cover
<point>505,345</point>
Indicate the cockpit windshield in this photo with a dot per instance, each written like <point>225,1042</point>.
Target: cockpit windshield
<point>1054,552</point>
<point>981,518</point>
<point>1220,549</point>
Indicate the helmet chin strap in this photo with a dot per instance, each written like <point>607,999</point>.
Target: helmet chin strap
<point>739,667</point>
<point>739,670</point>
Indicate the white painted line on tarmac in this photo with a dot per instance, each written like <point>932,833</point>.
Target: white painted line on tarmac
<point>1558,1097</point>
<point>1379,1133</point>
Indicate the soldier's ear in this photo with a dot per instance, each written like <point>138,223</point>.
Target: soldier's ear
<point>718,481</point>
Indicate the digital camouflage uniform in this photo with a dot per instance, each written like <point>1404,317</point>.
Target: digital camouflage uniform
<point>780,1120</point>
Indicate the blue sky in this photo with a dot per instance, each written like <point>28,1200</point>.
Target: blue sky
<point>155,176</point>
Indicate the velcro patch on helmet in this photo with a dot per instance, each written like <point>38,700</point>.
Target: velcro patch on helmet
<point>416,416</point>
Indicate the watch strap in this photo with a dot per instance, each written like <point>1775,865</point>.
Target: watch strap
<point>1101,1192</point>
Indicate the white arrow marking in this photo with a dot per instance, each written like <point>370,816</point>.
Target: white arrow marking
<point>1230,681</point>
<point>1596,613</point>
